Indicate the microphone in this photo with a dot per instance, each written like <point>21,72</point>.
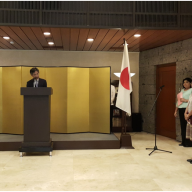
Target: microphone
<point>162,86</point>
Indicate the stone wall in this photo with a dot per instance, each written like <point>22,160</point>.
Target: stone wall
<point>179,53</point>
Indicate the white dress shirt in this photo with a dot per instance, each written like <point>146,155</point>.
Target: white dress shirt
<point>112,94</point>
<point>35,83</point>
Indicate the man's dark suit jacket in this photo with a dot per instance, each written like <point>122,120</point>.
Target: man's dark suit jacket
<point>42,83</point>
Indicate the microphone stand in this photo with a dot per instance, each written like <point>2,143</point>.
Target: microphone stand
<point>155,147</point>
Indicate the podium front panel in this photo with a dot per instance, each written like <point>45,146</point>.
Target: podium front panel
<point>36,118</point>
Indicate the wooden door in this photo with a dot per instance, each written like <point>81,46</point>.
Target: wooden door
<point>165,120</point>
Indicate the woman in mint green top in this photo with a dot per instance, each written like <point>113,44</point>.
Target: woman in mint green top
<point>186,92</point>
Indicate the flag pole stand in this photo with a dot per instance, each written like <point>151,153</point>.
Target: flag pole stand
<point>155,147</point>
<point>125,138</point>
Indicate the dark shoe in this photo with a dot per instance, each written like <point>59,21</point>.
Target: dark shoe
<point>189,160</point>
<point>180,144</point>
<point>185,145</point>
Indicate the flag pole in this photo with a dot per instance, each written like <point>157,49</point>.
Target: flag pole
<point>124,113</point>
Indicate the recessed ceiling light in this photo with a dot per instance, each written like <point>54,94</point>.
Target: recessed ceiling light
<point>11,42</point>
<point>47,33</point>
<point>6,38</point>
<point>137,35</point>
<point>50,43</point>
<point>90,39</point>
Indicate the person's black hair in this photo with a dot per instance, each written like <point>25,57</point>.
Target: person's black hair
<point>33,70</point>
<point>187,79</point>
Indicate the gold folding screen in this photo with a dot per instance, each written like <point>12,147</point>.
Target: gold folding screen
<point>80,100</point>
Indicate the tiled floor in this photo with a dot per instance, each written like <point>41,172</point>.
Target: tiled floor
<point>95,170</point>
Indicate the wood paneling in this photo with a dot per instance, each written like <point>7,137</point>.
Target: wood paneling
<point>131,39</point>
<point>75,39</point>
<point>118,36</point>
<point>127,35</point>
<point>154,35</point>
<point>92,34</point>
<point>39,34</point>
<point>32,37</point>
<point>99,38</point>
<point>56,35</point>
<point>158,43</point>
<point>65,35</point>
<point>4,42</point>
<point>8,32</point>
<point>3,46</point>
<point>139,41</point>
<point>42,38</point>
<point>111,33</point>
<point>18,39</point>
<point>18,30</point>
<point>83,35</point>
<point>177,36</point>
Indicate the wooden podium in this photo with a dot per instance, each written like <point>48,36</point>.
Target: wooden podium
<point>36,120</point>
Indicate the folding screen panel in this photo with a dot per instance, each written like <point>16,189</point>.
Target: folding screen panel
<point>99,100</point>
<point>12,120</point>
<point>77,100</point>
<point>57,79</point>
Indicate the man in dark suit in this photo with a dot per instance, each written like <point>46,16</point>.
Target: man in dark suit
<point>36,81</point>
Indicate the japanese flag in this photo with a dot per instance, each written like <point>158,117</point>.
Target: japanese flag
<point>125,87</point>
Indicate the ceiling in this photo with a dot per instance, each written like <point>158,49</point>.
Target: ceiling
<point>75,39</point>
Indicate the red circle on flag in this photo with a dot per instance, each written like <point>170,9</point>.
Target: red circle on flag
<point>124,78</point>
